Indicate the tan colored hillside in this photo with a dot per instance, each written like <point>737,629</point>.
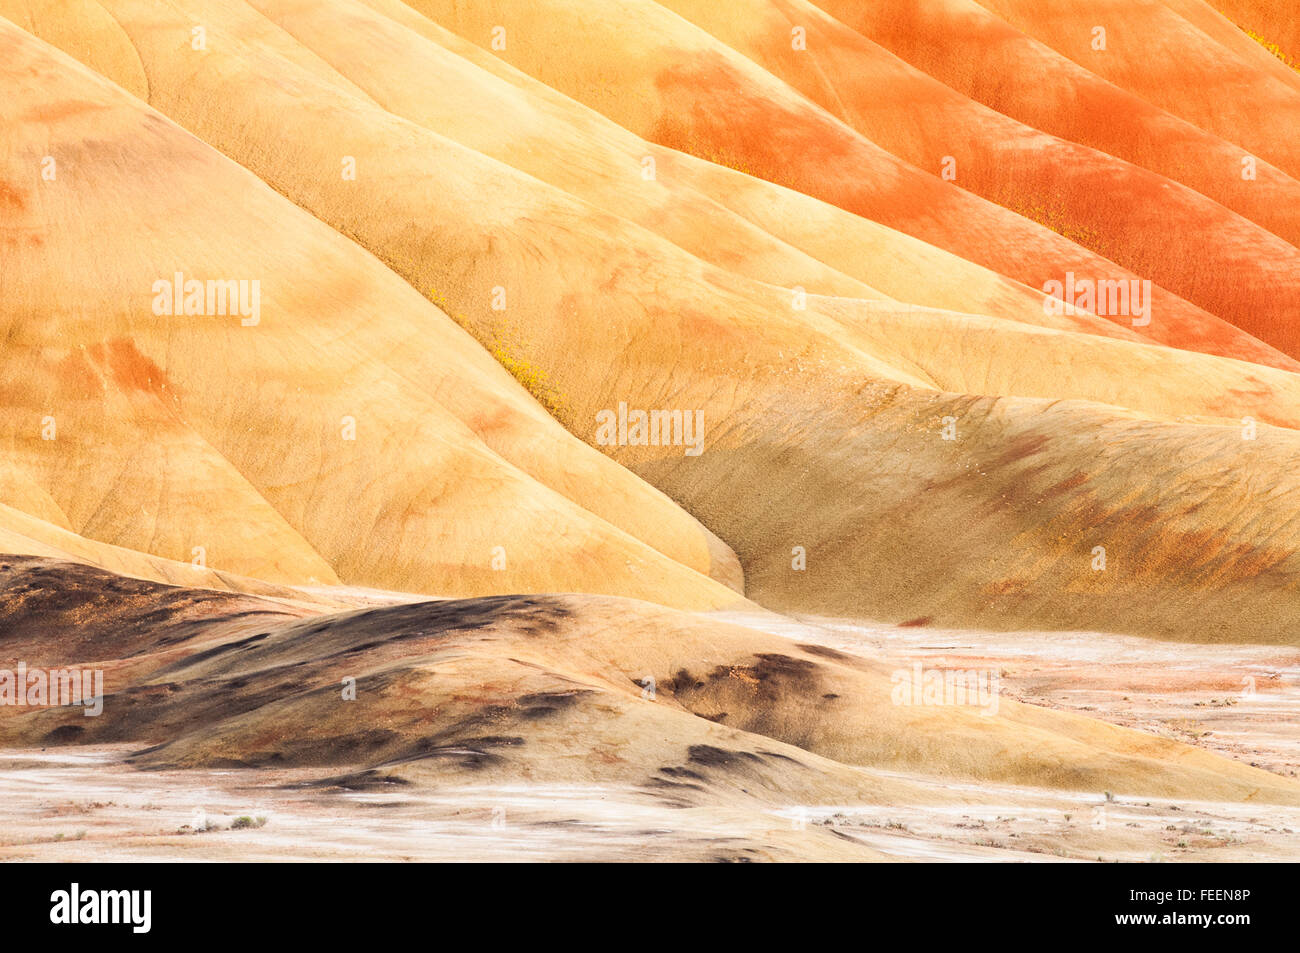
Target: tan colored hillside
<point>367,440</point>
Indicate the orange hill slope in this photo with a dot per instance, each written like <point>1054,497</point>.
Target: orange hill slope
<point>1271,23</point>
<point>1122,211</point>
<point>1177,94</point>
<point>1180,56</point>
<point>676,85</point>
<point>351,433</point>
<point>615,266</point>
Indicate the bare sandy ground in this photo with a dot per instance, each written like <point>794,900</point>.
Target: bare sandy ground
<point>86,803</point>
<point>1242,701</point>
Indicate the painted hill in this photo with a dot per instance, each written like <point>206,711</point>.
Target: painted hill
<point>415,396</point>
<point>368,439</point>
<point>880,381</point>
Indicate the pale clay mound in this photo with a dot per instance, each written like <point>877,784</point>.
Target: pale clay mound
<point>551,689</point>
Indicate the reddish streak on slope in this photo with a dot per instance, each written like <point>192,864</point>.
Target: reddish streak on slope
<point>11,197</point>
<point>130,370</point>
<point>63,109</point>
<point>981,56</point>
<point>806,152</point>
<point>1123,212</point>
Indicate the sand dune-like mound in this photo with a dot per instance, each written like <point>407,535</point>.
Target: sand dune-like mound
<point>21,533</point>
<point>1059,513</point>
<point>572,688</point>
<point>357,397</point>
